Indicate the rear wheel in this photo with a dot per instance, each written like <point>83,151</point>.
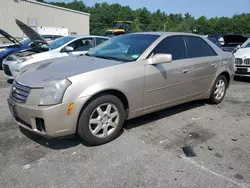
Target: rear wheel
<point>219,90</point>
<point>101,120</point>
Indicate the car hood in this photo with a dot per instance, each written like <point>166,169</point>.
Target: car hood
<point>10,38</point>
<point>30,33</point>
<point>37,75</point>
<point>242,53</point>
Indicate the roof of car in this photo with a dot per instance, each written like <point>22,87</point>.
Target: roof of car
<point>78,36</point>
<point>166,33</point>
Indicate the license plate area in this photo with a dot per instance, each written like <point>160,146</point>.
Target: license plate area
<point>242,70</point>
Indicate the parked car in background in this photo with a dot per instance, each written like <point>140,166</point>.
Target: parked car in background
<point>42,50</point>
<point>92,95</point>
<point>215,41</point>
<point>15,45</point>
<point>231,41</point>
<point>242,59</point>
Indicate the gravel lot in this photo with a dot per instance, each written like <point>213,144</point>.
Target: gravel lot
<point>148,153</point>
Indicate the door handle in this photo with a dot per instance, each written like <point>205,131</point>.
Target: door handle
<point>214,65</point>
<point>185,71</point>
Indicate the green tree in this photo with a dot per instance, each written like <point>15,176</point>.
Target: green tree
<point>104,14</point>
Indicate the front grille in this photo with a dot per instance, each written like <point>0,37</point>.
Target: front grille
<point>247,61</point>
<point>238,61</point>
<point>19,93</point>
<point>6,70</point>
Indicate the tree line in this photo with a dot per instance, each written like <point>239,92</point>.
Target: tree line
<point>103,15</point>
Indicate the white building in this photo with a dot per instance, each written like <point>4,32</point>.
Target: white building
<point>44,18</point>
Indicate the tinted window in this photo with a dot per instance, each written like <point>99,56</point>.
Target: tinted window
<point>82,44</point>
<point>100,40</point>
<point>197,47</point>
<point>172,45</point>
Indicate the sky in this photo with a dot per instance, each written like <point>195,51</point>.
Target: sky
<point>197,8</point>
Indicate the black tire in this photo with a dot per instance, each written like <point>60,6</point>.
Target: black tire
<point>212,98</point>
<point>83,129</point>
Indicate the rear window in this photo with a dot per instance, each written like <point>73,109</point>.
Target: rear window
<point>197,47</point>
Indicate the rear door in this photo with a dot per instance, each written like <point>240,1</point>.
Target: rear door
<point>205,60</point>
<point>99,40</point>
<point>168,83</point>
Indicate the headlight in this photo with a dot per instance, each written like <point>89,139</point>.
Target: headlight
<point>23,59</point>
<point>53,92</point>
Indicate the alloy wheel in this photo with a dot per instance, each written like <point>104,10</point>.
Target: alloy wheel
<point>220,88</point>
<point>104,120</point>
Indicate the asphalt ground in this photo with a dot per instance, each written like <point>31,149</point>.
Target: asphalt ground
<point>147,154</point>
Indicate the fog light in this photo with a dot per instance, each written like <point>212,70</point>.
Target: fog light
<point>40,126</point>
<point>70,108</point>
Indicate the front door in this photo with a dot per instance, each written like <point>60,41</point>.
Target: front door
<point>81,46</point>
<point>168,83</point>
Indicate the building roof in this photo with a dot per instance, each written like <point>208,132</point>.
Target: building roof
<point>57,7</point>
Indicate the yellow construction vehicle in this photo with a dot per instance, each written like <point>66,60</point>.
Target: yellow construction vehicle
<point>119,28</point>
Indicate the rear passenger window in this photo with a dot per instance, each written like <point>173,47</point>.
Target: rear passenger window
<point>172,45</point>
<point>197,47</point>
<point>100,40</point>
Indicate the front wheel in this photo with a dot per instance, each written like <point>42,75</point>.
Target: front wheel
<point>101,120</point>
<point>219,90</point>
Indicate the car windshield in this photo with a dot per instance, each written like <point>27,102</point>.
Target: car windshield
<point>25,41</point>
<point>128,47</point>
<point>60,41</point>
<point>246,44</point>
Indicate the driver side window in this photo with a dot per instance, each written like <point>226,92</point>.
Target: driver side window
<point>172,45</point>
<point>82,44</point>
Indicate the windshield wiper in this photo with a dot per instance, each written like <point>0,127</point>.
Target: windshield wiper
<point>109,58</point>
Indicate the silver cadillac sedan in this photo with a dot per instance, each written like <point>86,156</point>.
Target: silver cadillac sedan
<point>123,78</point>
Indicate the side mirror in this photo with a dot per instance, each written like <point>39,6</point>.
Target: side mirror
<point>68,49</point>
<point>160,58</point>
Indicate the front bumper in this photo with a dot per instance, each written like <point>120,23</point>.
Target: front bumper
<point>11,69</point>
<point>47,121</point>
